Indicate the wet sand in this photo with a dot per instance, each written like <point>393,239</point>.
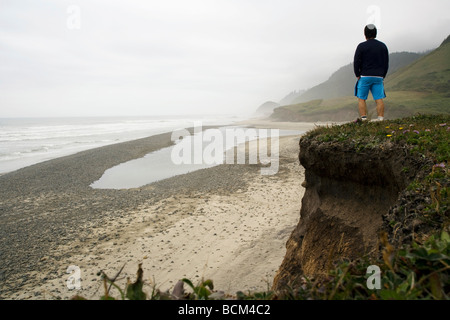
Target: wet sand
<point>228,223</point>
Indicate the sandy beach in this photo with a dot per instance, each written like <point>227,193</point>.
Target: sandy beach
<point>228,223</point>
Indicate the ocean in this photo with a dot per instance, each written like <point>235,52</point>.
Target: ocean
<point>27,141</point>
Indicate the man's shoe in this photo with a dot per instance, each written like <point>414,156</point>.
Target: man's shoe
<point>378,119</point>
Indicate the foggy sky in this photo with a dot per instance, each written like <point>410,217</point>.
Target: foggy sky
<point>113,58</point>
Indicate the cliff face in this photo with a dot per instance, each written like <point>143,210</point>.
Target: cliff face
<point>347,195</point>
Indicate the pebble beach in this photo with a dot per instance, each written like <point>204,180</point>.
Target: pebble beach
<point>228,223</point>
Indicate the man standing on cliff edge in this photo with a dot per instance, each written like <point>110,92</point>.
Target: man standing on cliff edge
<point>371,64</point>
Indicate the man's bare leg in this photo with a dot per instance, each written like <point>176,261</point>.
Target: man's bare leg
<point>362,106</point>
<point>380,107</point>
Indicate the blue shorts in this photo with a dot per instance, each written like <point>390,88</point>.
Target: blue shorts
<point>373,84</point>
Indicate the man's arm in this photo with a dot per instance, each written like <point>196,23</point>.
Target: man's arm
<point>357,62</point>
<point>386,62</point>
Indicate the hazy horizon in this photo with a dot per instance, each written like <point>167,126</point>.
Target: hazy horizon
<point>90,58</point>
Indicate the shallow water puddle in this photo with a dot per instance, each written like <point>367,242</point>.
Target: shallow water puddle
<point>164,163</point>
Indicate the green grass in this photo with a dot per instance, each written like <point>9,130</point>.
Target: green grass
<point>428,135</point>
<point>399,104</point>
<point>430,73</point>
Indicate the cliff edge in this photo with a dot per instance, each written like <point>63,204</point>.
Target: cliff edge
<point>356,180</point>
